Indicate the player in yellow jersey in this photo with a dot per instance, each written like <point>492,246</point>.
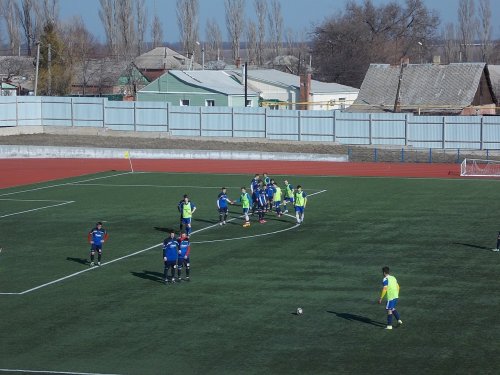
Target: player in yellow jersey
<point>391,289</point>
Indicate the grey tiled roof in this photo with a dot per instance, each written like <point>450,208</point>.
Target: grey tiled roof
<point>163,58</point>
<point>495,79</point>
<point>216,80</point>
<point>279,78</point>
<point>430,87</point>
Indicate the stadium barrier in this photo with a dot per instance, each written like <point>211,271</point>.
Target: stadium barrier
<point>372,129</point>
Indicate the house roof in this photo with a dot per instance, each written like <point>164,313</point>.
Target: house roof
<point>279,78</point>
<point>216,80</point>
<point>495,79</point>
<point>433,88</point>
<point>163,58</point>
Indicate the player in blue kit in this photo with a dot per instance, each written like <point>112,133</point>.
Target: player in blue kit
<point>97,236</point>
<point>254,184</point>
<point>261,204</point>
<point>183,258</point>
<point>270,195</point>
<point>222,201</point>
<point>170,255</point>
<point>186,209</point>
<point>498,243</point>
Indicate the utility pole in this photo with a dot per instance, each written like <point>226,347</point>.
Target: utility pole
<point>37,65</point>
<point>246,83</point>
<point>49,63</point>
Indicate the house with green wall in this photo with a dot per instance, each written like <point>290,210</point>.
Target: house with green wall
<point>198,88</point>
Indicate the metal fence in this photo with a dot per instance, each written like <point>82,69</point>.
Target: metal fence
<point>384,129</point>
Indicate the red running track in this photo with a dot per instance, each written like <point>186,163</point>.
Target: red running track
<point>15,172</point>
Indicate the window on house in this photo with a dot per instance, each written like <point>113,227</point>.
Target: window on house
<point>209,103</point>
<point>184,102</point>
<point>249,103</point>
<point>342,103</point>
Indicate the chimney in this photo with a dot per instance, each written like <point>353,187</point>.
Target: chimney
<point>405,61</point>
<point>436,60</point>
<point>305,89</point>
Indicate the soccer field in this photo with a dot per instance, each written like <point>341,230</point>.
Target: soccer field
<point>237,315</point>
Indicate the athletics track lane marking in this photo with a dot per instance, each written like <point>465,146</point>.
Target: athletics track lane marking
<point>155,246</point>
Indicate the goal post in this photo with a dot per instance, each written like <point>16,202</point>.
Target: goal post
<point>480,168</point>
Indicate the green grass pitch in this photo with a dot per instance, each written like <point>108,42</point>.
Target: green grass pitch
<point>236,316</point>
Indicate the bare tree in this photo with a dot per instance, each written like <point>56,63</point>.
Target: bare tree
<point>467,24</point>
<point>290,41</point>
<point>157,31</point>
<point>107,16</point>
<point>251,42</point>
<point>26,14</point>
<point>484,14</point>
<point>214,40</point>
<point>124,18</point>
<point>451,45</point>
<point>141,16</point>
<point>235,24</point>
<point>345,45</point>
<point>8,10</point>
<point>188,21</point>
<point>80,47</point>
<point>49,12</point>
<point>275,20</point>
<point>261,13</point>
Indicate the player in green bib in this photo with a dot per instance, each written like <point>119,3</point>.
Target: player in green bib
<point>245,201</point>
<point>390,287</point>
<point>277,198</point>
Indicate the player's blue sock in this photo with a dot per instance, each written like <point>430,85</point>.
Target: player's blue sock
<point>389,319</point>
<point>396,314</point>
<point>188,230</point>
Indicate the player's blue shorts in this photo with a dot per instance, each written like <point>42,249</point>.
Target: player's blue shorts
<point>223,210</point>
<point>170,263</point>
<point>277,204</point>
<point>391,305</point>
<point>299,209</point>
<point>182,262</point>
<point>186,220</point>
<point>95,247</point>
<point>245,211</point>
<point>289,199</point>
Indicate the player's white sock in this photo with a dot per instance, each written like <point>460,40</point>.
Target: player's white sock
<point>297,215</point>
<point>302,219</point>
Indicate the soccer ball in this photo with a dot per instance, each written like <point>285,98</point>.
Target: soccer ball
<point>299,311</point>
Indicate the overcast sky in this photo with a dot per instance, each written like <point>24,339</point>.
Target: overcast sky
<point>299,15</point>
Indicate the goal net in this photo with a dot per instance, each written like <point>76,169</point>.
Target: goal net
<point>480,168</point>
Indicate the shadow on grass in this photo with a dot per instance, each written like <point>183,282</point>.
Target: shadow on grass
<point>215,221</point>
<point>166,230</point>
<point>149,275</point>
<point>358,318</point>
<point>78,260</point>
<point>472,245</point>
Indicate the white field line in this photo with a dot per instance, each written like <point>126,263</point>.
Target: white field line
<point>65,184</point>
<point>31,200</point>
<point>149,248</point>
<point>50,372</point>
<point>36,209</point>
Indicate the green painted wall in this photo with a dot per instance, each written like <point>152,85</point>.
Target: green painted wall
<point>168,88</point>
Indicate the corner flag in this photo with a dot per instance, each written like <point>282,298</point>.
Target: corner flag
<point>127,156</point>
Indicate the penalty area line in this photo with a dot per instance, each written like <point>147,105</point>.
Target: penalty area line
<point>36,209</point>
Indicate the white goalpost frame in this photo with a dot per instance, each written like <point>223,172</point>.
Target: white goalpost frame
<point>480,168</point>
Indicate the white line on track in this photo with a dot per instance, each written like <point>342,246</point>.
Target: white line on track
<point>50,372</point>
<point>36,209</point>
<point>152,247</point>
<point>65,184</point>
